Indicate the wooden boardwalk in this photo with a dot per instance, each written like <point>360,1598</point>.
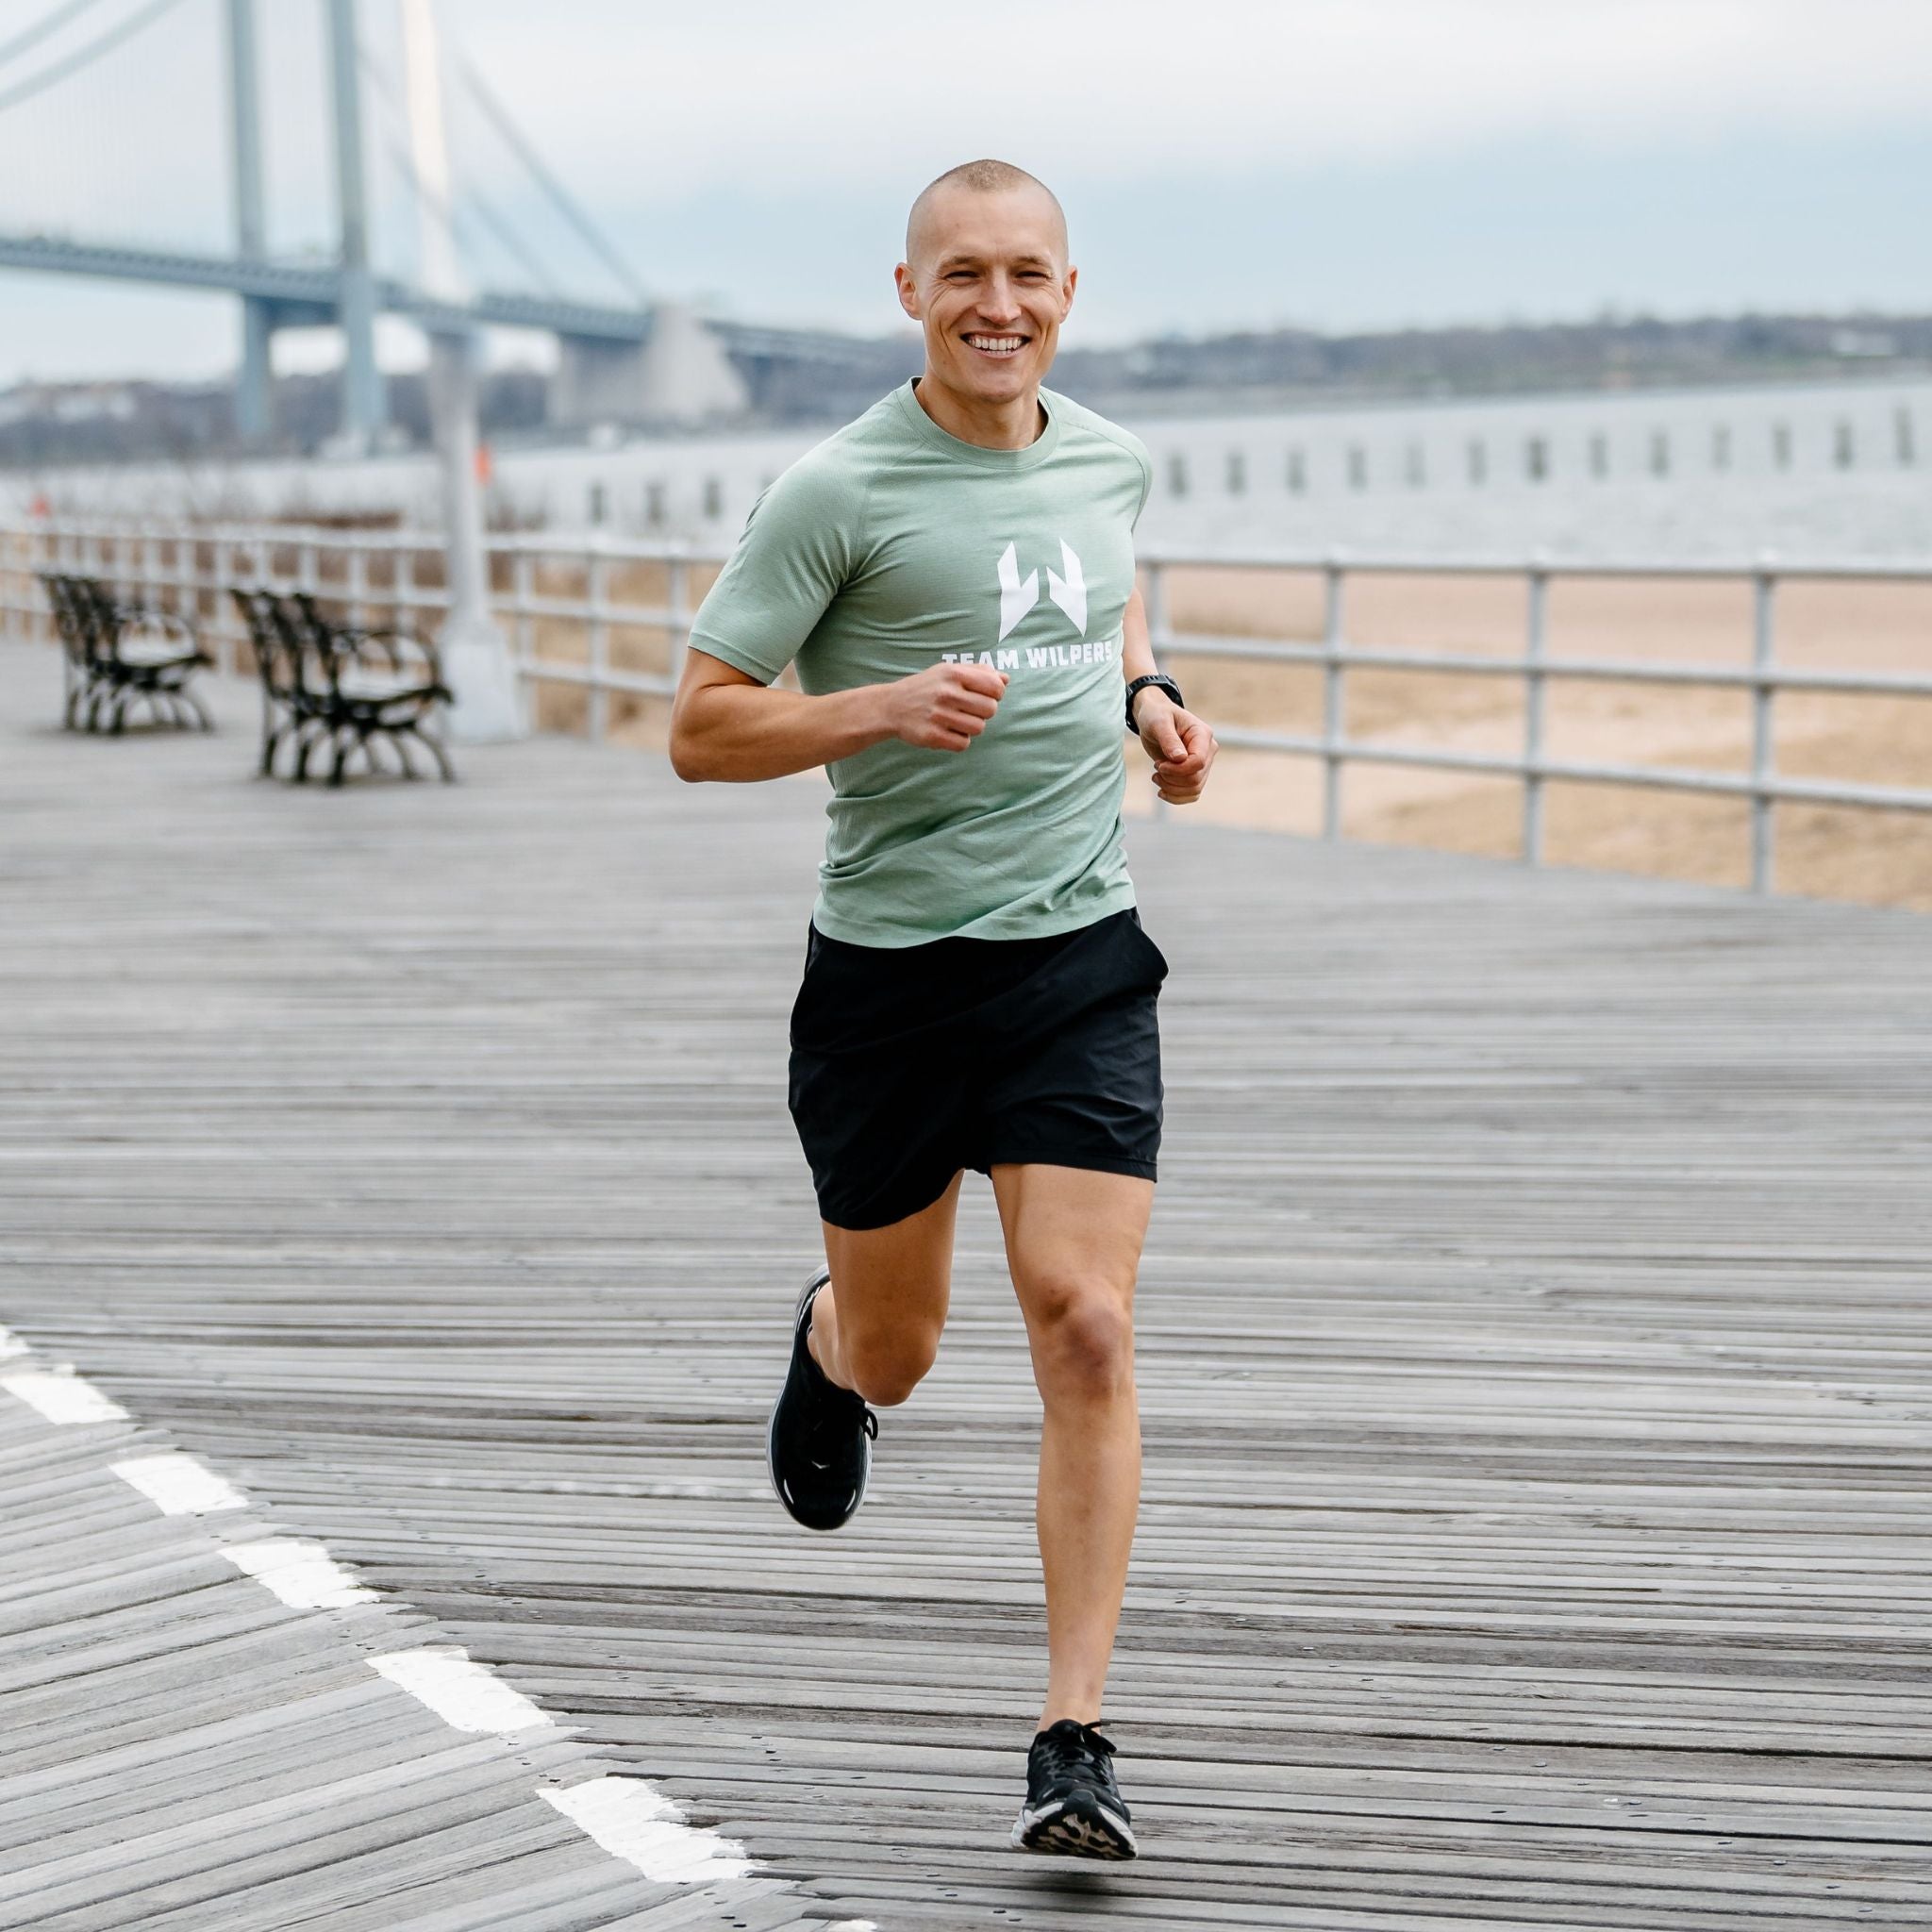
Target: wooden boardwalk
<point>1534,1347</point>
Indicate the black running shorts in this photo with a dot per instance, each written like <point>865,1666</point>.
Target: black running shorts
<point>909,1063</point>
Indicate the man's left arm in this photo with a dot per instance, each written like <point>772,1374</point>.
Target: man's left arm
<point>1180,744</point>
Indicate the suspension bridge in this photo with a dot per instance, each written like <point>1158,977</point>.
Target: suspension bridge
<point>621,354</point>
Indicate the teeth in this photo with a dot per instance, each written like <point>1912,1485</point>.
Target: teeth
<point>997,346</point>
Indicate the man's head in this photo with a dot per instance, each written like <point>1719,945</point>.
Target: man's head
<point>986,274</point>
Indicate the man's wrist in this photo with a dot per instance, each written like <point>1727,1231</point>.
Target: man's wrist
<point>1153,681</point>
<point>871,713</point>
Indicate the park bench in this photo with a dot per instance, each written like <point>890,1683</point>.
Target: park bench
<point>338,685</point>
<point>118,655</point>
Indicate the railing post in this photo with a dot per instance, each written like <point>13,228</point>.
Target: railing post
<point>1763,726</point>
<point>1334,699</point>
<point>1157,635</point>
<point>1159,629</point>
<point>403,586</point>
<point>522,580</point>
<point>187,598</point>
<point>596,589</point>
<point>677,599</point>
<point>1533,692</point>
<point>227,559</point>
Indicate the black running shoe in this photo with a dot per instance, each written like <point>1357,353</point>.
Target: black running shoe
<point>1074,1806</point>
<point>819,1445</point>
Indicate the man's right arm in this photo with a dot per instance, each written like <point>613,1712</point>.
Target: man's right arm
<point>726,724</point>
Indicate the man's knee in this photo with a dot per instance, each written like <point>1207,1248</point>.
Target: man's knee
<point>885,1366</point>
<point>1083,1340</point>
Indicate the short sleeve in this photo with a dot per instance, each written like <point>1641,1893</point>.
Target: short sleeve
<point>1146,463</point>
<point>799,547</point>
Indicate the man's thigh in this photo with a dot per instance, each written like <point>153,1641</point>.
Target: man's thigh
<point>898,1277</point>
<point>1071,1232</point>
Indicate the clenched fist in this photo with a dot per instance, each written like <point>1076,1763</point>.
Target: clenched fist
<point>1181,745</point>
<point>944,708</point>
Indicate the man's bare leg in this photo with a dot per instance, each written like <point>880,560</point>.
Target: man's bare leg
<point>876,1328</point>
<point>1073,1242</point>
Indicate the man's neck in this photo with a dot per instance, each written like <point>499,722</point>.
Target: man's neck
<point>1015,425</point>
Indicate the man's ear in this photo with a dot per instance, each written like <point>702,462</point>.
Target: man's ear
<point>908,291</point>
<point>1066,292</point>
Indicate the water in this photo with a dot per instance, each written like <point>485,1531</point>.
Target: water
<point>1826,470</point>
<point>1836,471</point>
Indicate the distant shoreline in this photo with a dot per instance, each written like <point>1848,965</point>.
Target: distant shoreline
<point>1818,471</point>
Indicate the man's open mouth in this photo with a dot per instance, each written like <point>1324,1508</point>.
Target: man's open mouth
<point>997,346</point>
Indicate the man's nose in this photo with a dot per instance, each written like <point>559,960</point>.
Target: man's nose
<point>1000,303</point>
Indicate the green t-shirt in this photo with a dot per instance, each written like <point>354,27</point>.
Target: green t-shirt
<point>892,546</point>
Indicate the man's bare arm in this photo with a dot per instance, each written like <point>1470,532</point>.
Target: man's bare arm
<point>725,724</point>
<point>1136,646</point>
<point>1180,744</point>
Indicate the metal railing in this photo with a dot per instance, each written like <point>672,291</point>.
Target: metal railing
<point>386,576</point>
<point>1531,766</point>
<point>189,570</point>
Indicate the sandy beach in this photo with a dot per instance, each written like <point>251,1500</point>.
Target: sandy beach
<point>1877,858</point>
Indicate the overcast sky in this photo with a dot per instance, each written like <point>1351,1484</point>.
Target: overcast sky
<point>1337,164</point>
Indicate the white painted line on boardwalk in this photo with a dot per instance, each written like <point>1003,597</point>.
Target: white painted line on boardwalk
<point>62,1396</point>
<point>178,1485</point>
<point>632,1820</point>
<point>301,1573</point>
<point>461,1692</point>
<point>627,1817</point>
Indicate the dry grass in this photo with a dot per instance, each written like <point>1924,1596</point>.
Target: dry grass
<point>632,718</point>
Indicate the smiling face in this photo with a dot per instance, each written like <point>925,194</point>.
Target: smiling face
<point>986,276</point>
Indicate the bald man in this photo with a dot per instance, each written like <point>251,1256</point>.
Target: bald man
<point>954,576</point>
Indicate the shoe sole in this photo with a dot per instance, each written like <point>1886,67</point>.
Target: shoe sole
<point>1067,1833</point>
<point>818,1279</point>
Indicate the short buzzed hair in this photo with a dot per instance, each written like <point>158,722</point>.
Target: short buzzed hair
<point>980,177</point>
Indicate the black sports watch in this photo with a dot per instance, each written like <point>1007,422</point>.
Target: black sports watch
<point>1140,684</point>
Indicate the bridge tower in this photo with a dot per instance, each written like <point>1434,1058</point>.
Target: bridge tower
<point>364,404</point>
<point>255,386</point>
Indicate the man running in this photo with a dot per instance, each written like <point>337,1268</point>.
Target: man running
<point>953,575</point>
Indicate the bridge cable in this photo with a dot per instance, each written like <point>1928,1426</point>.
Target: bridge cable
<point>559,196</point>
<point>456,217</point>
<point>447,211</point>
<point>498,225</point>
<point>48,23</point>
<point>82,57</point>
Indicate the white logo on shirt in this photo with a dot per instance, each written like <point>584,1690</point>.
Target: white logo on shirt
<point>1070,592</point>
<point>1018,594</point>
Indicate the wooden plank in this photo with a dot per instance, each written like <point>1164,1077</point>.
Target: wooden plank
<point>1533,1352</point>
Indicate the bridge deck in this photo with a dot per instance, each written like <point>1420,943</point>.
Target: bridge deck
<point>1538,1383</point>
